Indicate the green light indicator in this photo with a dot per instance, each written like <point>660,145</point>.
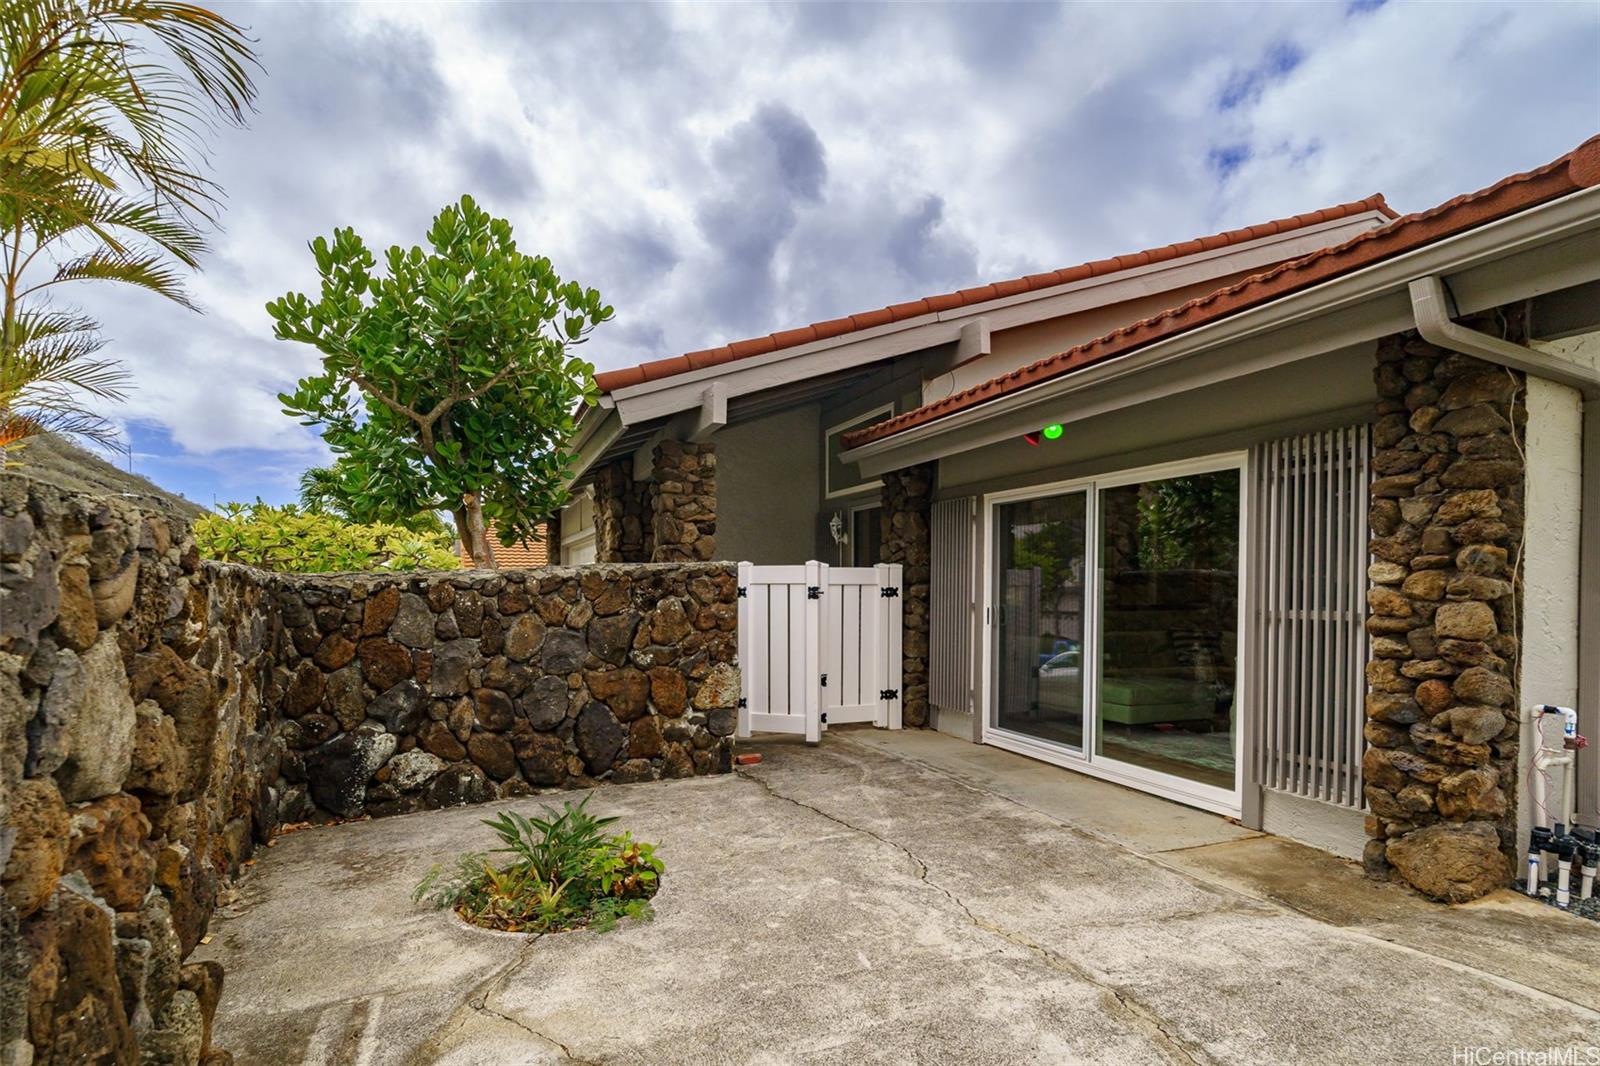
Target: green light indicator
<point>1053,432</point>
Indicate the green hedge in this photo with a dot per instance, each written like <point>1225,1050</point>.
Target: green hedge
<point>291,539</point>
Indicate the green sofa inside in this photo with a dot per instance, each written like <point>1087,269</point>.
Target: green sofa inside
<point>1154,700</point>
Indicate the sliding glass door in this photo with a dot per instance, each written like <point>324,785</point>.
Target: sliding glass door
<point>1039,676</point>
<point>1169,625</point>
<point>1114,643</point>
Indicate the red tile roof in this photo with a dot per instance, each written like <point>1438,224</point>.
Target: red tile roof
<point>611,380</point>
<point>528,555</point>
<point>1578,169</point>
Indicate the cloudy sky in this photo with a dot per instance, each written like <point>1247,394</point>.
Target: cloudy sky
<point>719,171</point>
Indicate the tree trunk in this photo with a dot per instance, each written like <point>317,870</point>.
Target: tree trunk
<point>470,518</point>
<point>459,517</point>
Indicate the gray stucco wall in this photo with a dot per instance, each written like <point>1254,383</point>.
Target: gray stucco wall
<point>769,482</point>
<point>1306,396</point>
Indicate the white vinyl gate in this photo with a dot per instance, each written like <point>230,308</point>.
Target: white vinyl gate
<point>818,646</point>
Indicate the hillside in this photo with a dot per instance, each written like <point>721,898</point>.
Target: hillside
<point>59,462</point>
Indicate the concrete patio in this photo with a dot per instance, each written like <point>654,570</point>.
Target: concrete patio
<point>896,897</point>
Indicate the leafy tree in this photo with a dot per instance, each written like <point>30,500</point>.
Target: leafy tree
<point>104,110</point>
<point>1056,548</point>
<point>448,382</point>
<point>290,539</point>
<point>1190,522</point>
<point>322,492</point>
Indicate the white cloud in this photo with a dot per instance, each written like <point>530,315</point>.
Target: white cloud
<point>724,170</point>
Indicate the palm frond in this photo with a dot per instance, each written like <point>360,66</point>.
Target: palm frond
<point>118,93</point>
<point>19,425</point>
<point>145,272</point>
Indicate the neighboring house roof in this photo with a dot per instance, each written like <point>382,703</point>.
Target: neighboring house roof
<point>611,380</point>
<point>1578,169</point>
<point>527,555</point>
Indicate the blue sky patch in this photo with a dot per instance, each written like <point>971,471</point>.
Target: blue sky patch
<point>1227,158</point>
<point>1245,86</point>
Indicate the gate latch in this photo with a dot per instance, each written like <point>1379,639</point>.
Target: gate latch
<point>889,694</point>
<point>813,592</point>
<point>890,592</point>
<point>824,680</point>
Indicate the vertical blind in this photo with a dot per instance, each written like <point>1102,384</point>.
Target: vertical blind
<point>952,601</point>
<point>1309,593</point>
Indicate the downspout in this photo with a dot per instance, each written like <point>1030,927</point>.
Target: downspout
<point>1431,307</point>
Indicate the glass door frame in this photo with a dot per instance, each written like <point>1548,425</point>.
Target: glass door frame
<point>1168,786</point>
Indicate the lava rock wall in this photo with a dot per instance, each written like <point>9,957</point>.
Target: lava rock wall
<point>906,528</point>
<point>161,717</point>
<point>401,692</point>
<point>137,765</point>
<point>1443,613</point>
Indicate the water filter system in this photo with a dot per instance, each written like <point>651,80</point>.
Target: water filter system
<point>1555,848</point>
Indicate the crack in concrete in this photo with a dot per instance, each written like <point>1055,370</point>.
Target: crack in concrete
<point>493,985</point>
<point>1224,889</point>
<point>566,1052</point>
<point>1121,1000</point>
<point>477,1002</point>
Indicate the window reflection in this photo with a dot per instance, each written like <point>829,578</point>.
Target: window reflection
<point>1039,642</point>
<point>1169,625</point>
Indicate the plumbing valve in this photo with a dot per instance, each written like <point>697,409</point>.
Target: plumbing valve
<point>1565,845</point>
<point>1588,849</point>
<point>1538,843</point>
<point>1569,718</point>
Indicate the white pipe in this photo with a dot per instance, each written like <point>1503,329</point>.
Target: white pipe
<point>1542,761</point>
<point>1545,758</point>
<point>1533,873</point>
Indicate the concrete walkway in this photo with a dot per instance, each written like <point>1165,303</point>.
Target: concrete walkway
<point>895,898</point>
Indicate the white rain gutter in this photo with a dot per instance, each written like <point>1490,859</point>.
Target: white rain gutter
<point>1430,304</point>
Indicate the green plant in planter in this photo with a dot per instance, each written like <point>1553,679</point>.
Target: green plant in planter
<point>566,871</point>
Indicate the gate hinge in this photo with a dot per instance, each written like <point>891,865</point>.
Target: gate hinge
<point>889,694</point>
<point>743,703</point>
<point>824,717</point>
<point>890,592</point>
<point>742,590</point>
<point>813,592</point>
<point>824,680</point>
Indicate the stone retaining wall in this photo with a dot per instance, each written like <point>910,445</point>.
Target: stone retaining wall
<point>401,692</point>
<point>1446,519</point>
<point>160,717</point>
<point>136,773</point>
